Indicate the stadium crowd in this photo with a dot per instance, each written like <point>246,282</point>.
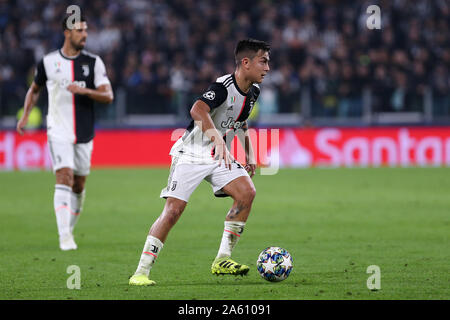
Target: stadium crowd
<point>165,52</point>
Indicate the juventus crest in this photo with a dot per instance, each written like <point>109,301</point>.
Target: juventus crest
<point>85,69</point>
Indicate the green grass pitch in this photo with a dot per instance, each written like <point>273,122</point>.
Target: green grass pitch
<point>334,222</point>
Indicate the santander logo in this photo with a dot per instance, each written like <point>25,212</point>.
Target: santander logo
<point>373,147</point>
<point>399,148</point>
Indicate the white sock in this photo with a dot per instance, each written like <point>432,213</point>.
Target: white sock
<point>61,202</point>
<point>76,205</point>
<point>152,248</point>
<point>230,237</point>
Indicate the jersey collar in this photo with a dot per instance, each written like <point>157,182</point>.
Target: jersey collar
<point>237,87</point>
<point>66,57</point>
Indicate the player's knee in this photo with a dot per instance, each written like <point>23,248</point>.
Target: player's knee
<point>252,193</point>
<point>173,213</point>
<point>247,195</point>
<point>64,176</point>
<point>172,216</point>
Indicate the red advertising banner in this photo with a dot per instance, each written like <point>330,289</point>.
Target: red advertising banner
<point>392,146</point>
<point>287,147</point>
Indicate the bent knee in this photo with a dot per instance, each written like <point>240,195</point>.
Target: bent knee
<point>251,193</point>
<point>247,195</point>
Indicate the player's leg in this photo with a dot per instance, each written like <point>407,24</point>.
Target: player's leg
<point>183,180</point>
<point>242,190</point>
<point>78,195</point>
<point>61,202</point>
<point>62,162</point>
<point>171,213</point>
<point>82,165</point>
<point>155,240</point>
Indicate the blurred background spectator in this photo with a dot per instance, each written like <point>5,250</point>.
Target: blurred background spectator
<point>325,63</point>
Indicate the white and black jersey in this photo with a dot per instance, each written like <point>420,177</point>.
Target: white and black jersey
<point>230,108</point>
<point>70,117</point>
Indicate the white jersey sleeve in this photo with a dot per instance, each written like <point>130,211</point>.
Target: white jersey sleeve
<point>100,77</point>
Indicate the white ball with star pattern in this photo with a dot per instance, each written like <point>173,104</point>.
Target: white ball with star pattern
<point>274,264</point>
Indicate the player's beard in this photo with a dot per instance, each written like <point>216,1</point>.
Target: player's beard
<point>78,46</point>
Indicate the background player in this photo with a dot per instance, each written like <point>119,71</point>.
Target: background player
<point>199,154</point>
<point>74,79</point>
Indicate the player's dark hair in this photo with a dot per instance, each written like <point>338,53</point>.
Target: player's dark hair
<point>64,23</point>
<point>249,48</point>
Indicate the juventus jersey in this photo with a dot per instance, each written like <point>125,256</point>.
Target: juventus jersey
<point>230,108</point>
<point>70,117</point>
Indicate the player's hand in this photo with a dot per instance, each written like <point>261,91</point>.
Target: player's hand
<point>76,89</point>
<point>251,169</point>
<point>21,124</point>
<point>222,153</point>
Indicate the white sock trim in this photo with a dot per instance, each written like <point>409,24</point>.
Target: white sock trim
<point>151,251</point>
<point>63,187</point>
<point>230,237</point>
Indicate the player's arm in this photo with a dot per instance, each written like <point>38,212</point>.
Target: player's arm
<point>102,94</point>
<point>246,142</point>
<point>31,99</point>
<point>200,114</point>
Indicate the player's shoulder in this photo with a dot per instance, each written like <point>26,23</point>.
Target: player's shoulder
<point>220,84</point>
<point>89,55</point>
<point>225,80</point>
<point>51,55</point>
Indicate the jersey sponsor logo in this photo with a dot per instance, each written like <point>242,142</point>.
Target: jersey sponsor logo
<point>230,123</point>
<point>210,95</point>
<point>65,82</point>
<point>85,68</point>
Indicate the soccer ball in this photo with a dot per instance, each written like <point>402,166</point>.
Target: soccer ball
<point>274,264</point>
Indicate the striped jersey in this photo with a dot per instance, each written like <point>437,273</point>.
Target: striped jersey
<point>70,117</point>
<point>230,108</point>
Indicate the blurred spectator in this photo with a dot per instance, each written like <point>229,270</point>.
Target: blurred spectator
<point>163,53</point>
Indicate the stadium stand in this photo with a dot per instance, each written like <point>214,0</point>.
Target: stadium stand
<point>326,65</point>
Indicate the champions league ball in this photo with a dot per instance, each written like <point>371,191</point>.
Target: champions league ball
<point>274,264</point>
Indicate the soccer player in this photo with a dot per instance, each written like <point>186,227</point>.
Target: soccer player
<point>203,153</point>
<point>75,79</point>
